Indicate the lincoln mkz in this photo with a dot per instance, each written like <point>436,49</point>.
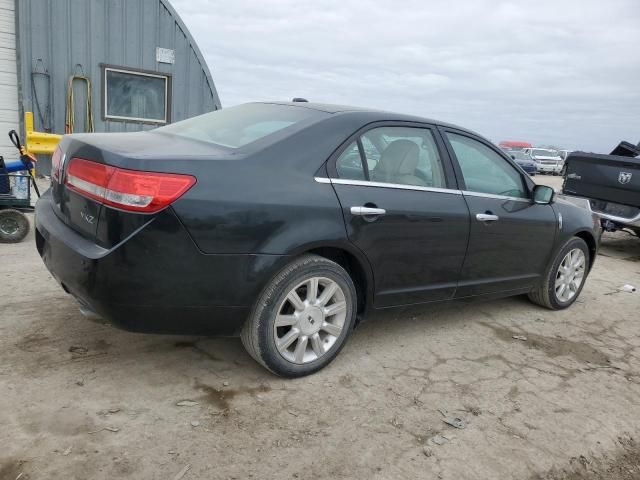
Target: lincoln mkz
<point>288,223</point>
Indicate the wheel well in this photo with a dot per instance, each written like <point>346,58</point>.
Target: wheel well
<point>591,243</point>
<point>351,264</point>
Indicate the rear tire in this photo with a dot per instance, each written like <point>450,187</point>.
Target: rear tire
<point>302,318</point>
<point>565,277</point>
<point>14,226</point>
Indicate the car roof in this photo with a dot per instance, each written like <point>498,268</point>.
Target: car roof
<point>383,114</point>
<point>324,107</point>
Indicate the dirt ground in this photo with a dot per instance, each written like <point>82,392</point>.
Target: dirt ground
<point>541,395</point>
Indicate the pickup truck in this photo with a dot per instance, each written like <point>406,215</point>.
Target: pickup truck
<point>611,183</point>
<point>547,160</point>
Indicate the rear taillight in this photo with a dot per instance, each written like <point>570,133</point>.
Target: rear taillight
<point>131,190</point>
<point>56,164</point>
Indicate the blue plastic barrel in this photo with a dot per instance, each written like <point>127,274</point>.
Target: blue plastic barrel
<point>16,166</point>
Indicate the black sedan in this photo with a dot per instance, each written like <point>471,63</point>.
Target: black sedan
<point>287,223</point>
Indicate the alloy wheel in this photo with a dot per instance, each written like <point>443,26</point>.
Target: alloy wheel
<point>570,275</point>
<point>310,320</point>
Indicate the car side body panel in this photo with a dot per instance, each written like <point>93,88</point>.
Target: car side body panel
<point>576,220</point>
<point>268,202</point>
<point>416,248</point>
<point>510,253</point>
<point>156,281</point>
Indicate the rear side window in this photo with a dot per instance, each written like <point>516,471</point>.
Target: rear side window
<point>349,163</point>
<point>485,171</point>
<point>371,152</point>
<point>397,155</point>
<point>237,126</point>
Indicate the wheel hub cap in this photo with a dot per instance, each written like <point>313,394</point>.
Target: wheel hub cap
<point>310,320</point>
<point>570,275</point>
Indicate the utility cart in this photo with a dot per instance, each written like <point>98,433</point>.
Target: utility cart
<point>16,181</point>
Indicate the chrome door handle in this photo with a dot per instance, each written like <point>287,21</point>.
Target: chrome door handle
<point>365,211</point>
<point>485,217</point>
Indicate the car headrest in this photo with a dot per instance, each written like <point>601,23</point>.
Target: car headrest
<point>401,157</point>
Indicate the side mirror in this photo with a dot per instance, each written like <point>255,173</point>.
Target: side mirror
<point>543,195</point>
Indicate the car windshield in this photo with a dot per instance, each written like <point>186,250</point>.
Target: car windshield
<point>541,152</point>
<point>235,127</point>
<point>519,155</point>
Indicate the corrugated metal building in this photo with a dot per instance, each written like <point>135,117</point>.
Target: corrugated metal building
<point>9,116</point>
<point>144,67</point>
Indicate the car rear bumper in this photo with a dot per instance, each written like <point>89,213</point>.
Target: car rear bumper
<point>156,280</point>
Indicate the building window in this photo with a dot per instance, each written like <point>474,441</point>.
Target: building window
<point>136,95</point>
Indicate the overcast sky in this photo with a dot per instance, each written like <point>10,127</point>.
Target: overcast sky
<point>561,72</point>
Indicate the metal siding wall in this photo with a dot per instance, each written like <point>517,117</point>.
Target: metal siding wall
<point>9,118</point>
<point>64,33</point>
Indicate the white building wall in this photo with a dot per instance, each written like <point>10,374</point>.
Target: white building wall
<point>8,78</point>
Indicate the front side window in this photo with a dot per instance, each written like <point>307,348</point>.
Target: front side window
<point>484,170</point>
<point>398,155</point>
<point>136,96</point>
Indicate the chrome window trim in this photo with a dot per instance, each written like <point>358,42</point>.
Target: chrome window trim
<point>497,197</point>
<point>365,183</point>
<point>396,186</point>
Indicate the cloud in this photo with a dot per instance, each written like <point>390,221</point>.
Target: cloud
<point>564,73</point>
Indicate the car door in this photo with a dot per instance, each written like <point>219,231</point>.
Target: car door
<point>403,210</point>
<point>510,238</point>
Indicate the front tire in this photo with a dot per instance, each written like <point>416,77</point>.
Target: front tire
<point>565,277</point>
<point>303,317</point>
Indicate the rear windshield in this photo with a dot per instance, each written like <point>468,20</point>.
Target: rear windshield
<point>235,127</point>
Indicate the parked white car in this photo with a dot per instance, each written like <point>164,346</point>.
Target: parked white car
<point>547,160</point>
<point>564,153</point>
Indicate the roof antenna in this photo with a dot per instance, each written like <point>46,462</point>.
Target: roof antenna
<point>300,99</point>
